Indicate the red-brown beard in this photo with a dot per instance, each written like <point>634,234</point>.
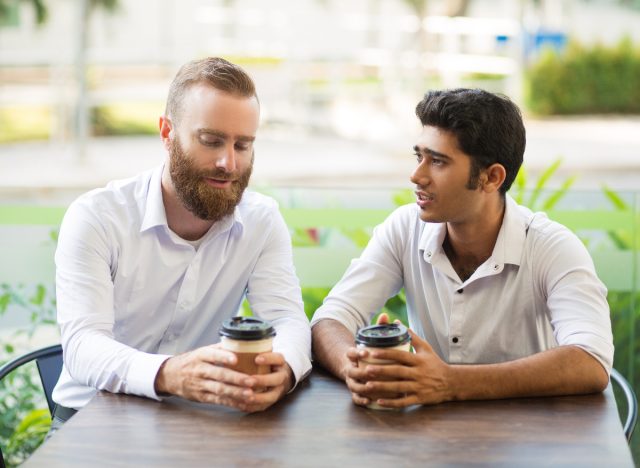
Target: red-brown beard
<point>204,201</point>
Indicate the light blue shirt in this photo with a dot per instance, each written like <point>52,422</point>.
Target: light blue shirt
<point>131,293</point>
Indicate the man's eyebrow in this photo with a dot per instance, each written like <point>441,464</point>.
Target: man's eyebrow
<point>430,152</point>
<point>224,136</point>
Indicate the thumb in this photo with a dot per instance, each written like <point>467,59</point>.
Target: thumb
<point>383,319</point>
<point>419,345</point>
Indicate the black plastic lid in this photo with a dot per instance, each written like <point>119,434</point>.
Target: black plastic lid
<point>383,336</point>
<point>247,328</point>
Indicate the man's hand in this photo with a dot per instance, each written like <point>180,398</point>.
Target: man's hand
<point>269,388</point>
<point>420,377</point>
<point>199,375</point>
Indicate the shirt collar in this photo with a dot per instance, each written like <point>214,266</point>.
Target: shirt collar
<point>509,244</point>
<point>155,214</point>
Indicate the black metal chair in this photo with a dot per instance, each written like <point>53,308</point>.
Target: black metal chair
<point>632,402</point>
<point>49,362</point>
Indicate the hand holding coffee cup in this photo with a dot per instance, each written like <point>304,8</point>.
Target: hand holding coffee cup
<point>247,337</point>
<point>387,336</point>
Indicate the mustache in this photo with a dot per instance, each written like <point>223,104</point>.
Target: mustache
<point>219,174</point>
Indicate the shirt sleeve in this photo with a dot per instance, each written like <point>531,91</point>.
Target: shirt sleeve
<point>274,294</point>
<point>85,258</point>
<point>371,279</point>
<point>576,298</point>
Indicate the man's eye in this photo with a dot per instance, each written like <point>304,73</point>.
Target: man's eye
<point>211,142</point>
<point>437,162</point>
<point>418,156</point>
<point>243,146</point>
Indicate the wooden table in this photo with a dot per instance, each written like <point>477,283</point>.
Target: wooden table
<point>318,425</point>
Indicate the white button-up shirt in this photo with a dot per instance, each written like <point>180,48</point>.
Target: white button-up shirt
<point>537,290</point>
<point>131,293</point>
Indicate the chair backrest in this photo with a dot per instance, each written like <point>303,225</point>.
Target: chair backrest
<point>49,362</point>
<point>632,402</point>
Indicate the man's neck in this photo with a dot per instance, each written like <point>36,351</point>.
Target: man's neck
<point>468,245</point>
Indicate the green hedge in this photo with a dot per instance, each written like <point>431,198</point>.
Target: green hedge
<point>583,80</point>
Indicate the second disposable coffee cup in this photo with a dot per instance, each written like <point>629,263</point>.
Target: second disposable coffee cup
<point>247,337</point>
<point>387,336</point>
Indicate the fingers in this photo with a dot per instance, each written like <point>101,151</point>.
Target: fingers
<point>420,345</point>
<point>269,388</point>
<point>216,355</point>
<point>353,354</point>
<point>401,402</point>
<point>270,359</point>
<point>383,319</point>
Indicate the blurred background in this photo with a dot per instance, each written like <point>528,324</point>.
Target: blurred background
<point>83,82</point>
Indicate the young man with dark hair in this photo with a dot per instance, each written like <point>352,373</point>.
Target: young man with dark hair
<point>148,268</point>
<point>502,301</point>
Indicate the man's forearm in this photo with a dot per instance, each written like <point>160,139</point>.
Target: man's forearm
<point>566,370</point>
<point>330,341</point>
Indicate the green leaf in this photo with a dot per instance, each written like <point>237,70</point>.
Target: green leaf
<point>5,300</point>
<point>520,185</point>
<point>542,181</point>
<point>614,198</point>
<point>39,295</point>
<point>403,197</point>
<point>555,197</point>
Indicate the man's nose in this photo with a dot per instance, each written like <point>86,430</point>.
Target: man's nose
<point>227,160</point>
<point>420,175</point>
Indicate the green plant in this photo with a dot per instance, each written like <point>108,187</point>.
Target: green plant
<point>586,80</point>
<point>520,188</point>
<point>24,417</point>
<point>126,119</point>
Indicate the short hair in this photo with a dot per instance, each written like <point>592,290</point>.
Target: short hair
<point>488,127</point>
<point>215,71</point>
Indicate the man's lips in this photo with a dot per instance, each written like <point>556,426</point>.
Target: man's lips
<point>424,199</point>
<point>219,183</point>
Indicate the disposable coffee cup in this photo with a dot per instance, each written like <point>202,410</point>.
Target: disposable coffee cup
<point>386,336</point>
<point>247,337</point>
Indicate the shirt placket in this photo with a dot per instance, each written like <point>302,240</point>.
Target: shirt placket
<point>456,320</point>
<point>183,308</point>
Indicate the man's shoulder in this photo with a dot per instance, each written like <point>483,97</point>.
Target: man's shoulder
<point>118,195</point>
<point>254,202</point>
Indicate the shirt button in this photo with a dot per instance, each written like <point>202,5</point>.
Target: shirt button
<point>455,339</point>
<point>429,254</point>
<point>495,267</point>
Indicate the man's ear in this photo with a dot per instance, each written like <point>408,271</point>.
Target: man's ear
<point>166,131</point>
<point>493,178</point>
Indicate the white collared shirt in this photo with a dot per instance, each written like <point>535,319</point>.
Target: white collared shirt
<point>131,293</point>
<point>537,290</point>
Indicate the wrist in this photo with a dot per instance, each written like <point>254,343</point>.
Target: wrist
<point>160,384</point>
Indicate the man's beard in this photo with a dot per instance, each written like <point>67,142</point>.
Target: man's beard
<point>206,202</point>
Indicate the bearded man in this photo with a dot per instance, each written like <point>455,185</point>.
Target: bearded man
<point>148,268</point>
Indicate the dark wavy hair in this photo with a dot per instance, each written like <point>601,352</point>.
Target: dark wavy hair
<point>488,128</point>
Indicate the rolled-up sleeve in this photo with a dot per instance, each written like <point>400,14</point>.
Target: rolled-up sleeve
<point>576,298</point>
<point>370,280</point>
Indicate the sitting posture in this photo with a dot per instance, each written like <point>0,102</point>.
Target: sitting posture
<point>148,268</point>
<point>502,301</point>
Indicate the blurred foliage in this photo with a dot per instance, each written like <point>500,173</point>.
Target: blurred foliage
<point>139,118</point>
<point>583,80</point>
<point>21,123</point>
<point>24,415</point>
<point>522,187</point>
